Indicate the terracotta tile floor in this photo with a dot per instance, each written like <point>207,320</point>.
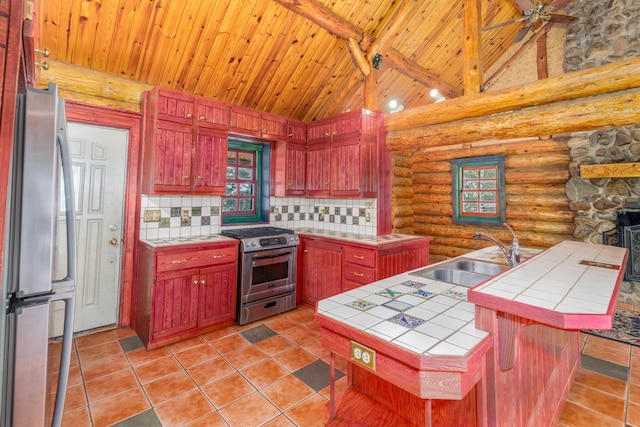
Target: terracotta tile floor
<point>275,373</point>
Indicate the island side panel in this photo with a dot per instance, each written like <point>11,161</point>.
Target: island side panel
<point>529,369</point>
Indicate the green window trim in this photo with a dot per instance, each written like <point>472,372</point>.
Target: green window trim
<point>478,190</point>
<point>261,212</point>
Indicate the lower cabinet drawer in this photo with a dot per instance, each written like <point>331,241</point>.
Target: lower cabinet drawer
<point>360,256</point>
<point>207,257</point>
<point>359,274</point>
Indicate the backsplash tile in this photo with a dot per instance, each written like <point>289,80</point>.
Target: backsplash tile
<point>187,216</point>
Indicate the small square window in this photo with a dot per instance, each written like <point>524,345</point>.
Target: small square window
<point>478,190</point>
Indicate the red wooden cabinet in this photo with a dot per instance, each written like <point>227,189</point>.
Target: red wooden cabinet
<point>343,156</point>
<point>322,270</point>
<point>183,156</point>
<point>210,160</point>
<point>296,132</point>
<point>245,121</point>
<point>273,127</point>
<point>213,114</point>
<point>184,291</point>
<point>331,266</point>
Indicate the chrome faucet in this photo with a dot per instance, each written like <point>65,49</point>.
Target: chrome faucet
<point>511,254</point>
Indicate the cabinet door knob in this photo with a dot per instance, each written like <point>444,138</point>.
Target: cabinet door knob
<point>201,118</point>
<point>195,282</point>
<point>189,115</point>
<point>306,251</point>
<point>203,282</point>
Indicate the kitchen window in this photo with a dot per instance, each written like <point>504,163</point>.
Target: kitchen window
<point>246,194</point>
<point>478,190</point>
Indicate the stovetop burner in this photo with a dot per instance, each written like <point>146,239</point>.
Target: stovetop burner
<point>246,233</point>
<point>263,238</point>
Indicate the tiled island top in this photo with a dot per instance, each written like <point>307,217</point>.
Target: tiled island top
<point>429,318</point>
<point>573,285</point>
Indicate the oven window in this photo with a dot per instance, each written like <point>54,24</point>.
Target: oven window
<point>269,273</point>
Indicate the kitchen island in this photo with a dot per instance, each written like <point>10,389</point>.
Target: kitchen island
<point>504,353</point>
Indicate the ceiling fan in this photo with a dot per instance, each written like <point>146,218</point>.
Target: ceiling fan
<point>534,17</point>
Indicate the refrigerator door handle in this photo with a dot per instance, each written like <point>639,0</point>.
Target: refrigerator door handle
<point>65,357</point>
<point>70,211</point>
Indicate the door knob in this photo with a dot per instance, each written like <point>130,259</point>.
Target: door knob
<point>113,241</point>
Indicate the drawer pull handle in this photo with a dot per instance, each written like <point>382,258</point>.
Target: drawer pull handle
<point>219,256</point>
<point>358,257</point>
<point>178,261</point>
<point>358,274</point>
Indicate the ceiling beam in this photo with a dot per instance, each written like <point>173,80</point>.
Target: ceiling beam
<point>471,47</point>
<point>336,25</point>
<point>608,78</point>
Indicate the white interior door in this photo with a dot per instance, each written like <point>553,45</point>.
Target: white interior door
<point>98,155</point>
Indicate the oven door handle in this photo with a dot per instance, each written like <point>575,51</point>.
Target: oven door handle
<point>258,258</point>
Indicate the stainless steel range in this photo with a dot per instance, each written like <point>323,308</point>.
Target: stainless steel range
<point>266,272</point>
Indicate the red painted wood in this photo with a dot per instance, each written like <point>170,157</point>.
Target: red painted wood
<point>213,114</point>
<point>174,148</point>
<point>319,131</point>
<point>217,295</point>
<point>185,291</point>
<point>244,121</point>
<point>361,256</point>
<point>296,162</point>
<point>174,106</point>
<point>322,270</point>
<point>210,163</point>
<point>540,363</point>
<point>345,168</point>
<point>318,178</point>
<point>273,127</point>
<point>296,132</point>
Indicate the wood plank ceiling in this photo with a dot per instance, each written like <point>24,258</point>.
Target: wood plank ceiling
<point>261,54</point>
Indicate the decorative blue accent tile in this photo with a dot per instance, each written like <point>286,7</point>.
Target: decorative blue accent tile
<point>361,304</point>
<point>455,294</point>
<point>422,293</point>
<point>413,284</point>
<point>406,320</point>
<point>176,212</point>
<point>205,220</point>
<point>397,305</point>
<point>389,293</point>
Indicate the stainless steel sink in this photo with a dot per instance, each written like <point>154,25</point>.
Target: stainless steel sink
<point>462,271</point>
<point>480,267</point>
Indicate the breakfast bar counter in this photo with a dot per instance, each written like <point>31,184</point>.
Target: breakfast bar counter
<point>503,353</point>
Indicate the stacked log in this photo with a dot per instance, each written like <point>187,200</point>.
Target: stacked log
<point>402,193</point>
<point>536,205</point>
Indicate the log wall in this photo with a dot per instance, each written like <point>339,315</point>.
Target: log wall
<point>537,207</point>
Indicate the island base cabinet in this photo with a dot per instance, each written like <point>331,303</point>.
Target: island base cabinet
<point>370,400</point>
<point>530,369</point>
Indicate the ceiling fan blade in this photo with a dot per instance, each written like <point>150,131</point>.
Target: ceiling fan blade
<point>559,4</point>
<point>513,21</point>
<point>523,31</point>
<point>522,5</point>
<point>562,19</point>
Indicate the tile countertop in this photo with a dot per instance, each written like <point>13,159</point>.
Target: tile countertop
<point>209,238</point>
<point>360,238</point>
<point>573,285</point>
<point>432,318</point>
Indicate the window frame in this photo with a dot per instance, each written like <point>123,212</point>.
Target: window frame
<point>457,168</point>
<point>262,161</point>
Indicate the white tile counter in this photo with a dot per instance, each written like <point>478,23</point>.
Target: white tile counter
<point>359,238</point>
<point>573,285</point>
<point>194,240</point>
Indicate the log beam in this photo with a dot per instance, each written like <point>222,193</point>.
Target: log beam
<point>471,47</point>
<point>615,170</point>
<point>561,117</point>
<point>578,84</point>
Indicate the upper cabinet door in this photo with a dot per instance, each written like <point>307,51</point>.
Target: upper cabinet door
<point>210,162</point>
<point>245,121</point>
<point>173,155</point>
<point>319,131</point>
<point>173,106</point>
<point>296,132</point>
<point>273,127</point>
<point>213,114</point>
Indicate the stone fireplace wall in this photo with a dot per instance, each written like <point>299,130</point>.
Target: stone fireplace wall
<point>607,31</point>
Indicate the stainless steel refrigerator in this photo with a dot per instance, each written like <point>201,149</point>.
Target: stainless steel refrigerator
<point>39,266</point>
